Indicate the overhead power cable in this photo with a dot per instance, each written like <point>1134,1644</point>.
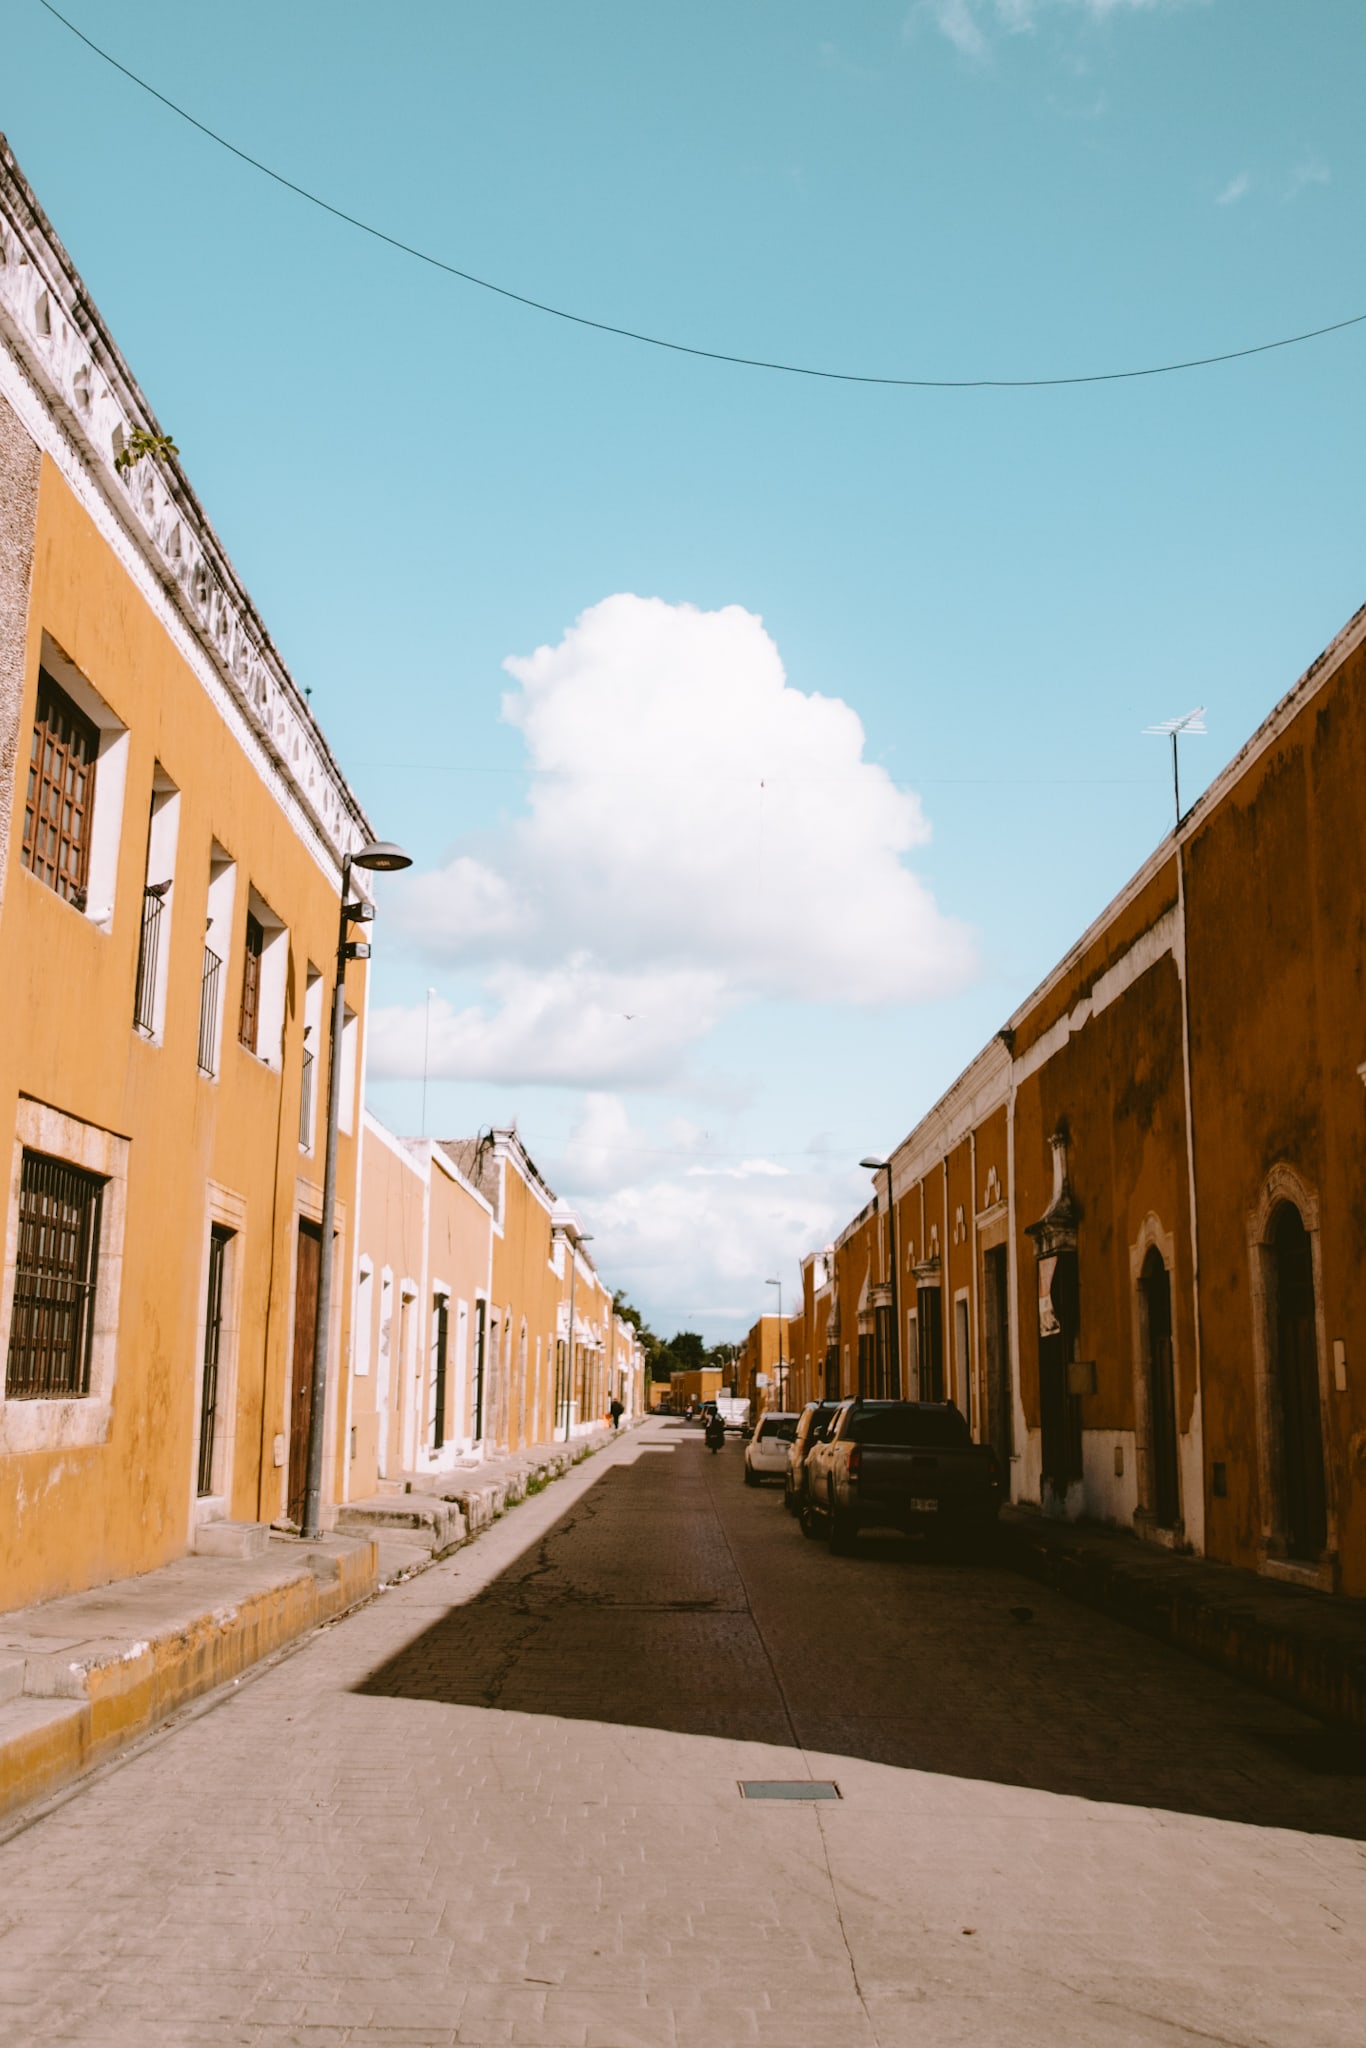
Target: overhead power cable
<point>683,348</point>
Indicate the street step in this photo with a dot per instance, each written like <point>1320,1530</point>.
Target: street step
<point>232,1539</point>
<point>43,1744</point>
<point>438,1524</point>
<point>100,1668</point>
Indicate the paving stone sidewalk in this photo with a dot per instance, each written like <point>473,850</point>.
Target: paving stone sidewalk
<point>312,1863</point>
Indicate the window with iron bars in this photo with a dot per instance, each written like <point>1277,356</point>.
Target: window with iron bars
<point>219,1237</point>
<point>59,801</point>
<point>306,1101</point>
<point>208,1013</point>
<point>53,1322</point>
<point>145,1000</point>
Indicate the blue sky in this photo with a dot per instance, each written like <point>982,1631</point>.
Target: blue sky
<point>419,481</point>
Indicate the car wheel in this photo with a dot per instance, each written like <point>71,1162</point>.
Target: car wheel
<point>841,1533</point>
<point>751,1476</point>
<point>810,1521</point>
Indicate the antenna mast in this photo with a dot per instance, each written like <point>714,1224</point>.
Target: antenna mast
<point>1172,728</point>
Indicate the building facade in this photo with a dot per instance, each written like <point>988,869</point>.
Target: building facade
<point>1127,1239</point>
<point>172,827</point>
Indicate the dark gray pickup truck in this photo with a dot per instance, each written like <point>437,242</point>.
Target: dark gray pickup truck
<point>906,1465</point>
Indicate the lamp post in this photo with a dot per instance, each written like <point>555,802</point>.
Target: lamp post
<point>782,1363</point>
<point>885,1166</point>
<point>381,857</point>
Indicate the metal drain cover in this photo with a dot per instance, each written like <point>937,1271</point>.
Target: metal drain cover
<point>789,1788</point>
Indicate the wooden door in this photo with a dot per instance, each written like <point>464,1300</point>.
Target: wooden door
<point>1303,1492</point>
<point>301,1376</point>
<point>1000,1405</point>
<point>1166,1476</point>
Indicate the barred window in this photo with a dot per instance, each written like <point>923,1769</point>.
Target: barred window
<point>250,1021</point>
<point>53,1321</point>
<point>60,799</point>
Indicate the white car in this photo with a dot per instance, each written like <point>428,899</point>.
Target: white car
<point>768,1450</point>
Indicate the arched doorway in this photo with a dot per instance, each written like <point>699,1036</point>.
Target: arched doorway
<point>1165,1480</point>
<point>1295,1379</point>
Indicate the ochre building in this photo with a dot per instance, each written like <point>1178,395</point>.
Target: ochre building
<point>1127,1241</point>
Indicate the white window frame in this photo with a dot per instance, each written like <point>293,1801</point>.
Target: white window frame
<point>226,1208</point>
<point>111,776</point>
<point>68,1421</point>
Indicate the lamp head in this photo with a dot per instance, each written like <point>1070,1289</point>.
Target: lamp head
<point>381,856</point>
<point>875,1165</point>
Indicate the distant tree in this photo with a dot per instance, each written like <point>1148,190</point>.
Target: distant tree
<point>688,1348</point>
<point>627,1312</point>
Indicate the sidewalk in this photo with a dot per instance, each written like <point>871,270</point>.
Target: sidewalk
<point>426,1515</point>
<point>83,1676</point>
<point>1304,1646</point>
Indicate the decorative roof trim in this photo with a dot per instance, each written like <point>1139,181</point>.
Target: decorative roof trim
<point>90,405</point>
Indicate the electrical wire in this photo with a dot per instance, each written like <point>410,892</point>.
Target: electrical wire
<point>683,348</point>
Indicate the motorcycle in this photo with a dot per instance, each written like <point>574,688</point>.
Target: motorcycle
<point>716,1434</point>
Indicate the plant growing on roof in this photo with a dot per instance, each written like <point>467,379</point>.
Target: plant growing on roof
<point>141,443</point>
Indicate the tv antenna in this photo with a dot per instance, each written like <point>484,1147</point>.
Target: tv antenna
<point>1172,729</point>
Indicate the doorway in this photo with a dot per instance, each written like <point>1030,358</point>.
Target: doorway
<point>1304,1506</point>
<point>1165,1477</point>
<point>996,1307</point>
<point>301,1377</point>
<point>1059,1347</point>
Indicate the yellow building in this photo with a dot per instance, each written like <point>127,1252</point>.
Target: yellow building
<point>421,1318</point>
<point>172,826</point>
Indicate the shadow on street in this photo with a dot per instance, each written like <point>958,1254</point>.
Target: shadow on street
<point>671,1596</point>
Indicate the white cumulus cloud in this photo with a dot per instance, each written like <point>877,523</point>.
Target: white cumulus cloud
<point>969,24</point>
<point>574,1024</point>
<point>698,834</point>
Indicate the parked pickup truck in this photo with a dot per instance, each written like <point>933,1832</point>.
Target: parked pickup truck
<point>907,1465</point>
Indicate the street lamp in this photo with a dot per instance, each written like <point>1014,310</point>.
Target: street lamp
<point>378,856</point>
<point>782,1363</point>
<point>885,1166</point>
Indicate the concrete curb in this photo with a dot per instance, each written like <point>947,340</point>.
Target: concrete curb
<point>70,1698</point>
<point>1305,1647</point>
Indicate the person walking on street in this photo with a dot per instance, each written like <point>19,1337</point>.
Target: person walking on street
<point>616,1411</point>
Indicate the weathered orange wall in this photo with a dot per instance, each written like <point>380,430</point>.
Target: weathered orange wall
<point>1276,912</point>
<point>66,1038</point>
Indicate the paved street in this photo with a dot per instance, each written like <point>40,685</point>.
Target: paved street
<point>500,1806</point>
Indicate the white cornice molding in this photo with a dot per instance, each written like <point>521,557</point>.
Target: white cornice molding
<point>62,372</point>
<point>979,1089</point>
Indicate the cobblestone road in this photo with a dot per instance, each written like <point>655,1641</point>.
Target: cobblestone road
<point>500,1807</point>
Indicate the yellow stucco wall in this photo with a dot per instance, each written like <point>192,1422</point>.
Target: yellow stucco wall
<point>77,1516</point>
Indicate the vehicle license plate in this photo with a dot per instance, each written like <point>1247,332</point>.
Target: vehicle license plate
<point>924,1507</point>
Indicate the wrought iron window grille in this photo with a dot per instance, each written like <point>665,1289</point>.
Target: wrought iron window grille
<point>53,1322</point>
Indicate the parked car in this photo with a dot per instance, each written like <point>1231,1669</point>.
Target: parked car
<point>768,1450</point>
<point>813,1420</point>
<point>905,1465</point>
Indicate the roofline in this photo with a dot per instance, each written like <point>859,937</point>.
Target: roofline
<point>88,391</point>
